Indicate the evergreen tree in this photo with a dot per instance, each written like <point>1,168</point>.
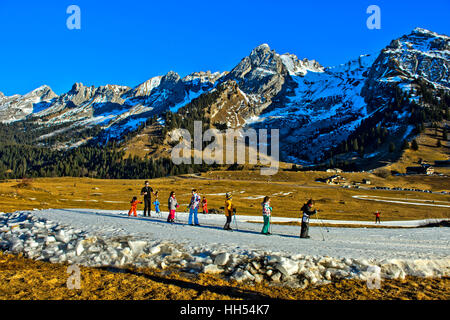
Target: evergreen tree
<point>391,147</point>
<point>355,145</point>
<point>405,145</point>
<point>414,145</point>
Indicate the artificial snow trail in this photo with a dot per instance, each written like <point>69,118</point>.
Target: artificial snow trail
<point>378,243</point>
<point>422,202</point>
<point>93,237</point>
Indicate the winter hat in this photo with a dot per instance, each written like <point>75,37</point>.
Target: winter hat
<point>228,195</point>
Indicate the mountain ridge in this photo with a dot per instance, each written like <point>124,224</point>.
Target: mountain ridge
<point>316,108</point>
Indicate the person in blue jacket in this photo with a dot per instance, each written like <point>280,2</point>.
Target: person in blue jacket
<point>157,203</point>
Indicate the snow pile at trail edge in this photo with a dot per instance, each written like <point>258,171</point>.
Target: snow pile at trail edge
<point>42,239</point>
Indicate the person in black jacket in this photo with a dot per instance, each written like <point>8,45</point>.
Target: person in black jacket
<point>307,211</point>
<point>147,193</point>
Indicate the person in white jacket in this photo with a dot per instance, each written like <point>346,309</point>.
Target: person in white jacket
<point>193,208</point>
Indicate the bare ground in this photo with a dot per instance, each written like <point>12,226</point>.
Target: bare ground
<point>26,279</point>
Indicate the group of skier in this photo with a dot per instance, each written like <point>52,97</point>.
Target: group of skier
<point>307,209</point>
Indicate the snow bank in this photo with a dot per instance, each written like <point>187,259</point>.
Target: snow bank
<point>42,239</point>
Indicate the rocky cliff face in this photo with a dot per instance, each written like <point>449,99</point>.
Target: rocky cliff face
<point>231,107</point>
<point>421,55</point>
<point>170,92</point>
<point>264,75</point>
<point>16,107</point>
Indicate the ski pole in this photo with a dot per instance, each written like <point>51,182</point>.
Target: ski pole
<point>322,222</point>
<point>235,221</point>
<point>270,223</point>
<point>321,232</point>
<point>320,228</point>
<point>187,211</point>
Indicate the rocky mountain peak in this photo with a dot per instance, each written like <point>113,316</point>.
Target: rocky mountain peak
<point>260,63</point>
<point>171,76</point>
<point>145,88</point>
<point>203,76</point>
<point>421,54</point>
<point>171,81</point>
<point>297,67</point>
<point>261,49</point>
<point>423,31</point>
<point>79,93</point>
<point>44,93</point>
<point>262,56</point>
<point>422,40</point>
<point>77,86</point>
<point>112,88</point>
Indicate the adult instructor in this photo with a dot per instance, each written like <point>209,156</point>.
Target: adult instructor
<point>147,193</point>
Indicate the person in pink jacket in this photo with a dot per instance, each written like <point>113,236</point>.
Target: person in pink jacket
<point>173,205</point>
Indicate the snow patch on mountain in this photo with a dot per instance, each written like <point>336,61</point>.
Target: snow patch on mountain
<point>190,95</point>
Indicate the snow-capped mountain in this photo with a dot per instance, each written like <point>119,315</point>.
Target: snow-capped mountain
<point>16,107</point>
<point>319,110</point>
<point>265,74</point>
<point>315,107</point>
<point>116,108</point>
<point>422,55</point>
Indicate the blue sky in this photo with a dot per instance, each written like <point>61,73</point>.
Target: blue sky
<point>128,42</point>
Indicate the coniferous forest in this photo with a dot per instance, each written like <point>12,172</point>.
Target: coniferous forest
<point>21,156</point>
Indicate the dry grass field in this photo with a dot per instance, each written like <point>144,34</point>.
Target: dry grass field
<point>428,151</point>
<point>288,191</point>
<point>24,279</point>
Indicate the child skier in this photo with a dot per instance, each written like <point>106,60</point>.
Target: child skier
<point>134,202</point>
<point>266,211</point>
<point>193,207</point>
<point>173,205</point>
<point>307,212</point>
<point>377,216</point>
<point>205,205</point>
<point>157,203</point>
<point>228,211</point>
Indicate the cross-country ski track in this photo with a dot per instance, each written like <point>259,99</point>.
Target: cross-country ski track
<point>415,202</point>
<point>96,237</point>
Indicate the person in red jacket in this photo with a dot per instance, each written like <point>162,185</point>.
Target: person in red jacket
<point>205,205</point>
<point>377,217</point>
<point>134,202</point>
